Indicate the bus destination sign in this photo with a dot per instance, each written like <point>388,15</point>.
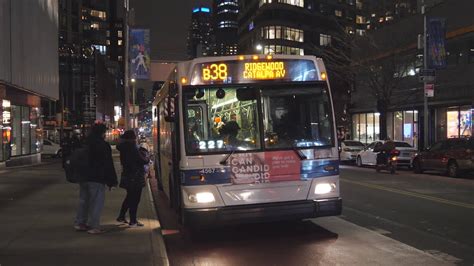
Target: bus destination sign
<point>234,72</point>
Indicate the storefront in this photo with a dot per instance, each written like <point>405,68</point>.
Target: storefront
<point>401,126</point>
<point>454,122</point>
<point>20,130</point>
<point>366,127</point>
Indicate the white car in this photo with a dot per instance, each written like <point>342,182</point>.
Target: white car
<point>350,149</point>
<point>51,148</point>
<point>368,157</point>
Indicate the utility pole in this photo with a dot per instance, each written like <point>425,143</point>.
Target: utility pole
<point>425,66</point>
<point>126,85</point>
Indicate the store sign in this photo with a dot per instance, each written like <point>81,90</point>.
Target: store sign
<point>5,112</point>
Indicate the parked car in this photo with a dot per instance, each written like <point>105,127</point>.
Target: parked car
<point>51,148</point>
<point>451,156</point>
<point>349,149</point>
<point>368,157</point>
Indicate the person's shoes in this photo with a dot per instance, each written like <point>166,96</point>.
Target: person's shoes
<point>96,231</point>
<point>81,227</point>
<point>122,220</point>
<point>136,224</point>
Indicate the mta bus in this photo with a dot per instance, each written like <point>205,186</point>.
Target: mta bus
<point>247,138</point>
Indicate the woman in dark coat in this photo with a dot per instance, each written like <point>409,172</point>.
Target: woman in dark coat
<point>133,176</point>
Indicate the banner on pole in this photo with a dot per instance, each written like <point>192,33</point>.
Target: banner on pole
<point>139,51</point>
<point>436,29</point>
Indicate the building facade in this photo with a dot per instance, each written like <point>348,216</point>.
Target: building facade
<point>225,15</point>
<point>201,33</point>
<point>450,110</point>
<point>28,75</point>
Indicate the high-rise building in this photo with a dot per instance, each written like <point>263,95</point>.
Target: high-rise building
<point>201,33</point>
<point>226,26</point>
<point>89,38</point>
<point>384,12</point>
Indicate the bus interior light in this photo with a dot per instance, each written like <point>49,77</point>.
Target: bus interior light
<point>324,188</point>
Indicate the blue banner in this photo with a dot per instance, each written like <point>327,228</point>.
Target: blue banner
<point>436,29</point>
<point>139,53</point>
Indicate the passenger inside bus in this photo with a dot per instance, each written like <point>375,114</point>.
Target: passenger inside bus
<point>230,130</point>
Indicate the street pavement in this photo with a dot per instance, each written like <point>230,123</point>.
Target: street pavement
<point>37,210</point>
<point>429,220</point>
<point>430,212</point>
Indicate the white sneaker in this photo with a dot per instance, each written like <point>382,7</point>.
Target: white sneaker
<point>96,231</point>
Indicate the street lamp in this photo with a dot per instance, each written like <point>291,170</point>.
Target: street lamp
<point>134,124</point>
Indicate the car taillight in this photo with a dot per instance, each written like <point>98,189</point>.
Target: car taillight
<point>394,158</point>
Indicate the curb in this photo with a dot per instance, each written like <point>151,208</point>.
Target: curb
<point>157,240</point>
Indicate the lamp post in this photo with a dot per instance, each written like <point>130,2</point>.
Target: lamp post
<point>425,65</point>
<point>134,124</point>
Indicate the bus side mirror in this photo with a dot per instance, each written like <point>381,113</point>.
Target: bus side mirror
<point>169,112</point>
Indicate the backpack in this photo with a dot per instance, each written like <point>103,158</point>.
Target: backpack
<point>77,166</point>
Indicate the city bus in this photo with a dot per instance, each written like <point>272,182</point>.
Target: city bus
<point>247,138</point>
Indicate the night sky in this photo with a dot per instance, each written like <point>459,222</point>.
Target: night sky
<point>168,21</point>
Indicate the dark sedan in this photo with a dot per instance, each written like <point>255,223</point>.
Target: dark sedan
<point>451,156</point>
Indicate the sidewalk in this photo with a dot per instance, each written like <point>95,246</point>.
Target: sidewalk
<point>37,209</point>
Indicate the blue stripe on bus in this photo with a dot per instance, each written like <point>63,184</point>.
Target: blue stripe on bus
<point>212,176</point>
<point>319,168</point>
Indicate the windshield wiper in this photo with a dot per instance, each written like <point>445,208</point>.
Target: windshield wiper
<point>299,153</point>
<point>224,161</point>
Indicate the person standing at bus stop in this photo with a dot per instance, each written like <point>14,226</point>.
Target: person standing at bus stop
<point>133,163</point>
<point>101,172</point>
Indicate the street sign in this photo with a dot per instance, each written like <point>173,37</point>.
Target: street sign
<point>427,75</point>
<point>429,90</point>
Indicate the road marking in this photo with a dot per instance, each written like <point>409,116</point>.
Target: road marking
<point>412,194</point>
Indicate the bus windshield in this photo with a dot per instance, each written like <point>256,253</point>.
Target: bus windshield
<point>297,117</point>
<point>233,119</point>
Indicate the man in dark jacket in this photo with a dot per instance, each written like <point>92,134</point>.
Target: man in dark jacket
<point>101,172</point>
<point>133,176</point>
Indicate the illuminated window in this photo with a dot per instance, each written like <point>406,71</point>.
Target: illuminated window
<point>280,49</point>
<point>324,40</point>
<point>102,49</point>
<point>338,13</point>
<point>108,33</point>
<point>95,26</point>
<point>299,3</point>
<point>360,32</point>
<point>360,20</point>
<point>120,58</point>
<point>107,42</point>
<point>120,34</point>
<point>99,14</point>
<point>119,42</point>
<point>282,32</point>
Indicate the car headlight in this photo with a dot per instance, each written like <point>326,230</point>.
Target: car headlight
<point>202,197</point>
<point>324,188</point>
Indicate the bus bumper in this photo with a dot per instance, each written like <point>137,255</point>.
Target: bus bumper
<point>295,210</point>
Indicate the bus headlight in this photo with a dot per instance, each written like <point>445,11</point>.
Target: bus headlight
<point>202,197</point>
<point>324,188</point>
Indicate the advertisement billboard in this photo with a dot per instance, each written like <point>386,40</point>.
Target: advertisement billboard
<point>139,53</point>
